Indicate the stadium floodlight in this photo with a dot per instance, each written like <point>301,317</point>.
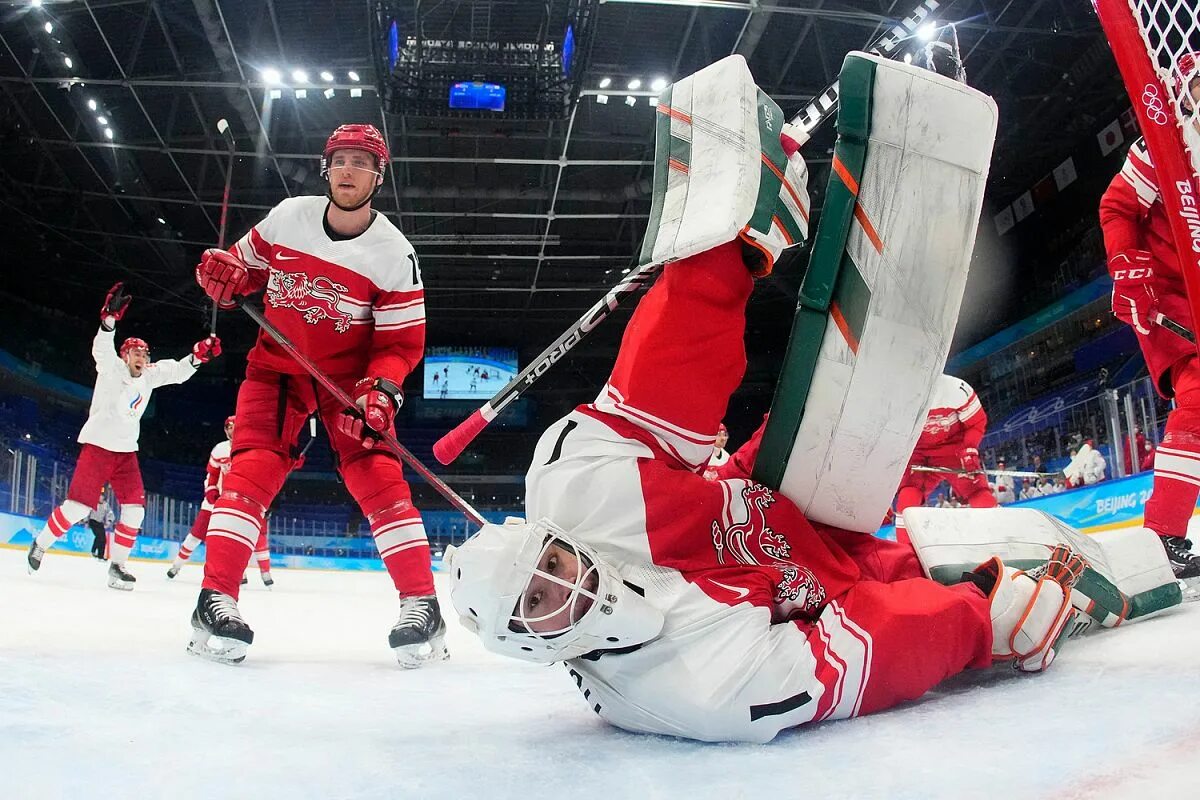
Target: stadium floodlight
<point>653,101</point>
<point>352,75</point>
<point>102,120</point>
<point>271,76</point>
<point>605,83</point>
<point>630,100</point>
<point>602,99</point>
<point>299,76</point>
<point>356,92</point>
<point>908,58</point>
<point>91,104</point>
<point>635,84</point>
<point>162,221</point>
<point>67,60</point>
<point>327,76</point>
<point>275,94</point>
<point>658,84</point>
<point>301,94</point>
<point>329,94</point>
<point>108,133</point>
<point>927,32</point>
<point>49,26</point>
<point>35,4</point>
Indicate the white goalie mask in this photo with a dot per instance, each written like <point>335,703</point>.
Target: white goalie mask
<point>531,591</point>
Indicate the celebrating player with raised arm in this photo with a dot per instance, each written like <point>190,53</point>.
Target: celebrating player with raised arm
<point>124,382</point>
<point>1147,280</point>
<point>713,609</point>
<point>950,438</point>
<point>343,284</point>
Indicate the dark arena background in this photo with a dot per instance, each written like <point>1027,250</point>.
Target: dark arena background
<point>522,141</point>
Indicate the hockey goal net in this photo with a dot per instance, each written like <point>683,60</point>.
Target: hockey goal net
<point>1156,44</point>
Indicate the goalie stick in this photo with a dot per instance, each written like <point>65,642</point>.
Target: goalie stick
<point>450,446</point>
<point>339,394</point>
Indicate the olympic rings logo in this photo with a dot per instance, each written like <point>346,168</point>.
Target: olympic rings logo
<point>1154,105</point>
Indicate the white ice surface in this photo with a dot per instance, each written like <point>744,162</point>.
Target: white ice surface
<point>99,699</point>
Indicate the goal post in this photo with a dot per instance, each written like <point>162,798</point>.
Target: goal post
<point>1156,44</point>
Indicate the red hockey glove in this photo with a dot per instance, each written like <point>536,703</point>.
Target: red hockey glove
<point>376,402</point>
<point>1133,298</point>
<point>298,464</point>
<point>969,456</point>
<point>222,276</point>
<point>116,303</point>
<point>206,350</point>
<point>211,495</point>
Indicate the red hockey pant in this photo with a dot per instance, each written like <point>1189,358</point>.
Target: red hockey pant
<point>271,409</point>
<point>916,487</point>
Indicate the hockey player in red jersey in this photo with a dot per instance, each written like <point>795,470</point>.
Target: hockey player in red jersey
<point>712,609</point>
<point>950,439</point>
<point>219,461</point>
<point>343,284</point>
<point>1147,281</point>
<point>109,438</point>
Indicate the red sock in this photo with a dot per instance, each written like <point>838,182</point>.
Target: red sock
<point>232,531</point>
<point>400,538</point>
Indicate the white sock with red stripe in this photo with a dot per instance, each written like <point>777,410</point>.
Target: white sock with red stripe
<point>404,548</point>
<point>125,534</point>
<point>190,543</point>
<point>61,519</point>
<point>262,552</point>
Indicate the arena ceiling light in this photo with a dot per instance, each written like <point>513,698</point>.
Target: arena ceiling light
<point>299,76</point>
<point>102,120</point>
<point>605,83</point>
<point>271,76</point>
<point>658,84</point>
<point>602,99</point>
<point>630,100</point>
<point>327,76</point>
<point>91,104</point>
<point>927,32</point>
<point>67,60</point>
<point>301,94</point>
<point>108,133</point>
<point>49,26</point>
<point>635,84</point>
<point>328,94</point>
<point>352,75</point>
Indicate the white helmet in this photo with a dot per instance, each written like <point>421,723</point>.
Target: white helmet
<point>490,572</point>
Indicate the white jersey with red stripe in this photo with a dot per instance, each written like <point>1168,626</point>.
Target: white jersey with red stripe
<point>219,462</point>
<point>956,418</point>
<point>119,400</point>
<point>354,305</point>
<point>735,661</point>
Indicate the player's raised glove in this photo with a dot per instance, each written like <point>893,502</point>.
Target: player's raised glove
<point>211,495</point>
<point>969,458</point>
<point>376,402</point>
<point>206,350</point>
<point>1133,298</point>
<point>116,303</point>
<point>222,276</point>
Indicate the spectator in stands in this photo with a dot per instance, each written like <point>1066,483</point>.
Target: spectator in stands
<point>1003,487</point>
<point>1141,450</point>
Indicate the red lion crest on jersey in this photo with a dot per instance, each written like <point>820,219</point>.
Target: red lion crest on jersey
<point>753,542</point>
<point>316,299</point>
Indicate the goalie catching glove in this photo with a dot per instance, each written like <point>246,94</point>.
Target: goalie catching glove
<point>376,402</point>
<point>1030,610</point>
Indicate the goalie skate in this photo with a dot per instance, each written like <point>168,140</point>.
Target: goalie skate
<point>218,631</point>
<point>419,635</point>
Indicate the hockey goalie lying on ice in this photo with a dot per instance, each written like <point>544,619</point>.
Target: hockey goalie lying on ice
<point>726,610</point>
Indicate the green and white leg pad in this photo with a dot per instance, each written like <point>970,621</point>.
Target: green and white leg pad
<point>1128,575</point>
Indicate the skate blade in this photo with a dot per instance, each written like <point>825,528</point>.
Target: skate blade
<point>414,656</point>
<point>119,585</point>
<point>217,648</point>
<point>1190,588</point>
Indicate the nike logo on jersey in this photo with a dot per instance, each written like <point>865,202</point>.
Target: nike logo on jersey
<point>281,257</point>
<point>741,591</point>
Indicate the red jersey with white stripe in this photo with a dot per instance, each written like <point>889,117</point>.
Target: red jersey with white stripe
<point>770,621</point>
<point>219,462</point>
<point>956,419</point>
<point>1133,217</point>
<point>354,306</point>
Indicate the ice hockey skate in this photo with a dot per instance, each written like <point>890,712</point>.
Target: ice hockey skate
<point>35,557</point>
<point>173,571</point>
<point>218,631</point>
<point>419,635</point>
<point>120,578</point>
<point>1185,564</point>
<point>267,580</point>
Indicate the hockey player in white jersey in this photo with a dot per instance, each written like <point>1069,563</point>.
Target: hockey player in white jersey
<point>124,381</point>
<point>713,609</point>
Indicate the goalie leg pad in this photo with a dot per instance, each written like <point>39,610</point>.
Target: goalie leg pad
<point>721,171</point>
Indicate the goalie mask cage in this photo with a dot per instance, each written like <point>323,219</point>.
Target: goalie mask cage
<point>1156,44</point>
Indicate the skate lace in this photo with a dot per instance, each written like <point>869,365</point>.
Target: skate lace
<point>416,613</point>
<point>224,608</point>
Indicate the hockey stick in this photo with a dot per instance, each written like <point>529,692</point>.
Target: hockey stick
<point>223,129</point>
<point>1174,327</point>
<point>450,446</point>
<point>347,402</point>
<point>1011,473</point>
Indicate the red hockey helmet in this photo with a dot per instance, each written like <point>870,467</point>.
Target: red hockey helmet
<point>133,343</point>
<point>356,137</point>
